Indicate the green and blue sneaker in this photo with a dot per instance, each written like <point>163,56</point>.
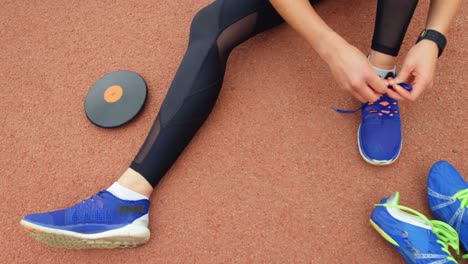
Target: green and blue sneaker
<point>447,194</point>
<point>418,239</point>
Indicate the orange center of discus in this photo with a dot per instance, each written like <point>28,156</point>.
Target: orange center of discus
<point>113,94</point>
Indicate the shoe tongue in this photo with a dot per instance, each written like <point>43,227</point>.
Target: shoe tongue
<point>386,98</point>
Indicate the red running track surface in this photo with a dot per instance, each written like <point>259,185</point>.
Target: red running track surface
<point>274,176</point>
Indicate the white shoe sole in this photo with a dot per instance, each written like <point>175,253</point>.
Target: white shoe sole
<point>375,162</point>
<point>129,236</point>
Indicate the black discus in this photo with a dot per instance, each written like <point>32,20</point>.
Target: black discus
<point>115,99</point>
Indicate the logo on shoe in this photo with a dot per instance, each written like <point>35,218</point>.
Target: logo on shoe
<point>128,209</point>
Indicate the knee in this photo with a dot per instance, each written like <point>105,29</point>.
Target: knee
<point>205,23</point>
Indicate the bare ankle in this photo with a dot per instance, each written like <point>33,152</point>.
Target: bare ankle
<point>135,182</point>
<point>382,61</point>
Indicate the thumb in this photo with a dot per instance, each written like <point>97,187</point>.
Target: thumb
<point>403,75</point>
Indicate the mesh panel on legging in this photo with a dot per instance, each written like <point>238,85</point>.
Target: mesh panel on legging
<point>392,20</point>
<point>215,31</point>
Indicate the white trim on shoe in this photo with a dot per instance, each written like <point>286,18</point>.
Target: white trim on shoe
<point>137,229</point>
<point>404,217</point>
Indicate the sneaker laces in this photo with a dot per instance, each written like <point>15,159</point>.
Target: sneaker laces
<point>384,108</point>
<point>447,236</point>
<point>462,195</point>
<point>92,199</point>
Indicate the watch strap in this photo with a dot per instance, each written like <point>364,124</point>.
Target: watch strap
<point>434,36</point>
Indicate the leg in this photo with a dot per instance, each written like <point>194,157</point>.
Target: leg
<point>392,20</point>
<point>118,216</point>
<point>215,31</point>
<point>380,134</point>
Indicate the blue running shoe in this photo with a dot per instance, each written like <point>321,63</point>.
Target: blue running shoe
<point>418,239</point>
<point>102,221</point>
<point>447,194</point>
<point>379,135</point>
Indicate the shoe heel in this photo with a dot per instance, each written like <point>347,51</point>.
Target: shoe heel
<point>383,234</point>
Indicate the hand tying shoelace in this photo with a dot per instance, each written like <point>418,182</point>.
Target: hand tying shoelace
<point>379,134</point>
<point>385,107</point>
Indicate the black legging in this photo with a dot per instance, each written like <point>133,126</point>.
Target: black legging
<point>215,31</point>
<point>391,23</point>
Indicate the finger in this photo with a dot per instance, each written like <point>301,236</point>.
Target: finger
<point>395,95</point>
<point>358,96</point>
<point>418,88</point>
<point>391,81</point>
<point>421,83</point>
<point>403,75</point>
<point>378,84</point>
<point>368,93</point>
<point>402,92</point>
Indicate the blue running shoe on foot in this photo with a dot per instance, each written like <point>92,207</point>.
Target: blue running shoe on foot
<point>379,135</point>
<point>447,194</point>
<point>102,221</point>
<point>418,239</point>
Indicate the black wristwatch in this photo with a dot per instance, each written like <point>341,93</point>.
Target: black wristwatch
<point>435,36</point>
